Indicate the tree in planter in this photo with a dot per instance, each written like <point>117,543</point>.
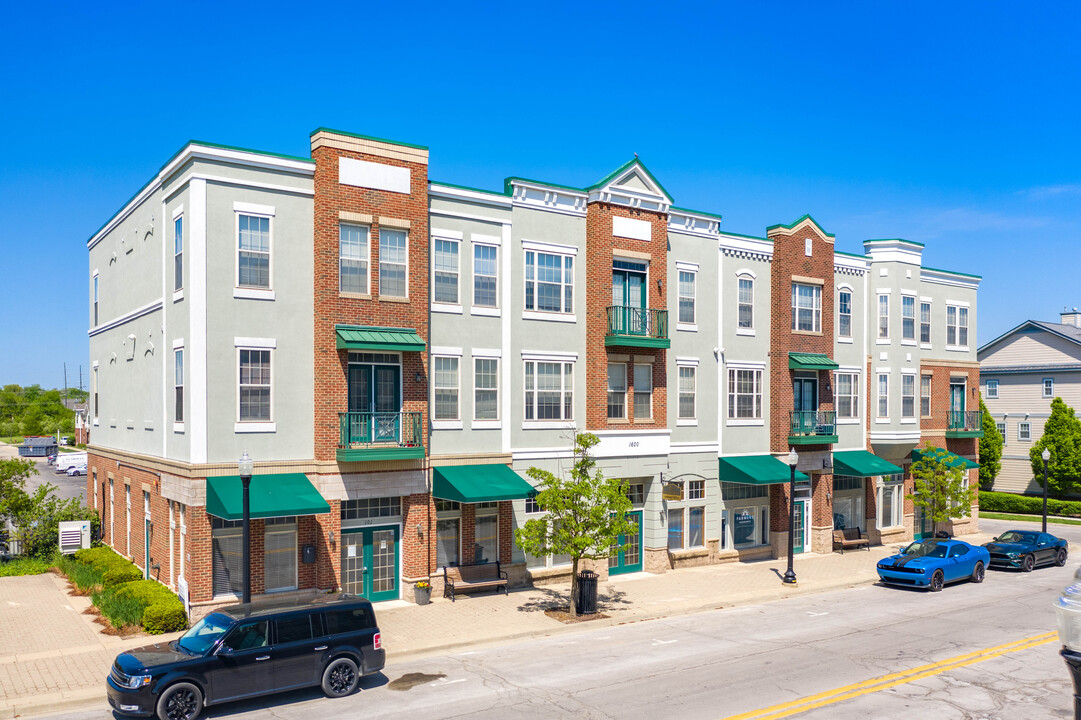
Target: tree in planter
<point>1062,436</point>
<point>941,490</point>
<point>585,513</point>
<point>37,516</point>
<point>990,450</point>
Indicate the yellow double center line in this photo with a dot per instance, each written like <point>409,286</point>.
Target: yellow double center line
<point>887,681</point>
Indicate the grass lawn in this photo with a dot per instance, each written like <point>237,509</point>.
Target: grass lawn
<point>13,439</point>
<point>1027,518</point>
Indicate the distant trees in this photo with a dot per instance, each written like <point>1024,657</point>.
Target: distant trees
<point>1062,436</point>
<point>36,516</point>
<point>990,450</point>
<point>32,410</point>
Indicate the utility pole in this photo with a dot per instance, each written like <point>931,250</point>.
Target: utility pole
<point>80,379</point>
<point>65,381</point>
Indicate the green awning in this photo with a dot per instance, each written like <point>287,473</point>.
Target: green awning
<point>479,483</point>
<point>949,458</point>
<point>269,496</point>
<point>756,470</point>
<point>378,339</point>
<point>810,361</point>
<point>860,463</point>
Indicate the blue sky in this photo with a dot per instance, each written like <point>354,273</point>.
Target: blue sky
<point>951,124</point>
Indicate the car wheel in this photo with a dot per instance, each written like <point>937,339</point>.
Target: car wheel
<point>937,581</point>
<point>340,678</point>
<point>1027,563</point>
<point>182,701</point>
<point>977,572</point>
<point>1060,557</point>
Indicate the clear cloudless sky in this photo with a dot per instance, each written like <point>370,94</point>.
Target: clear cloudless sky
<point>953,124</point>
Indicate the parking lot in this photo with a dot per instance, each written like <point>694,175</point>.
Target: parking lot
<point>66,487</point>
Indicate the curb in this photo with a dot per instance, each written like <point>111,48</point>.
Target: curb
<point>64,701</point>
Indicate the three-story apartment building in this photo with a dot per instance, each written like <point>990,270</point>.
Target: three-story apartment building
<point>395,353</point>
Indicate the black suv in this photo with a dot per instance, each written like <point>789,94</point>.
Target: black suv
<point>243,651</point>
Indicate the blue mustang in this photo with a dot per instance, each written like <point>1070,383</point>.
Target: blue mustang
<point>1026,549</point>
<point>932,563</point>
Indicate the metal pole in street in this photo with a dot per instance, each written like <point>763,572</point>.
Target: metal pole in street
<point>1046,455</point>
<point>790,573</point>
<point>245,465</point>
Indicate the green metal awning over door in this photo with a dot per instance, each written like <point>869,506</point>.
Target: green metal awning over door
<point>951,459</point>
<point>860,463</point>
<point>479,483</point>
<point>810,361</point>
<point>269,496</point>
<point>756,470</point>
<point>378,339</point>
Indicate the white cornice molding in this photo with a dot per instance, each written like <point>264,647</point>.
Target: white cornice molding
<point>133,315</point>
<point>943,277</point>
<point>472,196</point>
<point>845,265</point>
<point>689,223</point>
<point>746,248</point>
<point>630,197</point>
<point>549,199</point>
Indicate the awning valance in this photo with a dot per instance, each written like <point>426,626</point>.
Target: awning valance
<point>756,470</point>
<point>269,496</point>
<point>479,483</point>
<point>810,361</point>
<point>378,339</point>
<point>951,459</point>
<point>860,463</point>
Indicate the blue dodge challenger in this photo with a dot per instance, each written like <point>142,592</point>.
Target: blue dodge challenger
<point>1026,549</point>
<point>932,563</point>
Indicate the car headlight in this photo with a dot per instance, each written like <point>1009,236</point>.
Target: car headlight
<point>1013,554</point>
<point>134,682</point>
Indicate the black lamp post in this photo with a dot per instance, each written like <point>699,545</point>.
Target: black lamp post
<point>792,459</point>
<point>245,465</point>
<point>1046,455</point>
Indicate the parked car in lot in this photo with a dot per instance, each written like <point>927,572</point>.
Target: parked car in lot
<point>66,460</point>
<point>1025,549</point>
<point>244,651</point>
<point>51,459</point>
<point>77,469</point>
<point>934,562</point>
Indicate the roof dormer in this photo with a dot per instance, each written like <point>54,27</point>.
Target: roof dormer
<point>631,185</point>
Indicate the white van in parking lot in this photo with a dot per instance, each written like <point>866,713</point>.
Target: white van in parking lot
<point>67,460</point>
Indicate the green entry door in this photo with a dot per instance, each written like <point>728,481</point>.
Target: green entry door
<point>375,401</point>
<point>370,562</point>
<point>922,525</point>
<point>800,529</point>
<point>629,559</point>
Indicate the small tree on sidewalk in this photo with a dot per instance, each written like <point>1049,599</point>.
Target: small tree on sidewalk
<point>585,513</point>
<point>990,450</point>
<point>1062,436</point>
<point>941,489</point>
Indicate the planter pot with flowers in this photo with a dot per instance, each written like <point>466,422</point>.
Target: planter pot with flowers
<point>423,592</point>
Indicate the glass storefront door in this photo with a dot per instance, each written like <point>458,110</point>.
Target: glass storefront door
<point>922,525</point>
<point>629,559</point>
<point>799,537</point>
<point>370,562</point>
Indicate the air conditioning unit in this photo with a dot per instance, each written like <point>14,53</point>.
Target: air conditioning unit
<point>74,535</point>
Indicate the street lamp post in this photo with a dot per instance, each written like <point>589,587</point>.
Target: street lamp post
<point>792,459</point>
<point>1046,455</point>
<point>244,466</point>
<point>1068,610</point>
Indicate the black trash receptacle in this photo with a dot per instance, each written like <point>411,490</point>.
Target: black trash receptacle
<point>587,592</point>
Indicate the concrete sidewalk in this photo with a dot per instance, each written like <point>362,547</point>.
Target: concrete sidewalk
<point>62,679</point>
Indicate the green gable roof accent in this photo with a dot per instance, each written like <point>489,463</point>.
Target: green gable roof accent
<point>695,212</point>
<point>951,459</point>
<point>756,470</point>
<point>810,361</point>
<point>625,166</point>
<point>860,463</point>
<point>366,137</point>
<point>378,339</point>
<point>797,222</point>
<point>479,483</point>
<point>269,496</point>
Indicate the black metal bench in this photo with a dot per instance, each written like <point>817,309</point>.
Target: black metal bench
<point>464,578</point>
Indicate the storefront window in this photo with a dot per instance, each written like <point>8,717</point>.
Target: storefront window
<point>448,532</point>
<point>675,529</point>
<point>890,501</point>
<point>486,533</point>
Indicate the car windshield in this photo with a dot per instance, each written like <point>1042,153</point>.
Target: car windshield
<point>204,634</point>
<point>1017,537</point>
<point>926,549</point>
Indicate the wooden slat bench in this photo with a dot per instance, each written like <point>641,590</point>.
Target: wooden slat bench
<point>464,578</point>
<point>850,538</point>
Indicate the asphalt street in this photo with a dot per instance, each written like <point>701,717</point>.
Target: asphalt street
<point>979,652</point>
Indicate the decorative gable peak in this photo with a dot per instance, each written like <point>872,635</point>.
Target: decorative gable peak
<point>631,185</point>
<point>804,223</point>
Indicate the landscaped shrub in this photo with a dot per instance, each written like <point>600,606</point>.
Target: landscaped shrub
<point>120,574</point>
<point>101,558</point>
<point>1027,505</point>
<point>119,609</point>
<point>164,617</point>
<point>84,577</point>
<point>25,566</point>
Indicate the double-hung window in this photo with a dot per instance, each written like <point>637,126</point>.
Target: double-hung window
<point>844,313</point>
<point>1001,427</point>
<point>353,256</point>
<point>549,390</point>
<point>643,391</point>
<point>253,251</point>
<point>178,384</point>
<point>254,385</point>
<point>883,316</point>
<point>908,317</point>
<point>883,395</point>
<point>848,391</point>
<point>686,296</point>
<point>178,253</point>
<point>485,275</point>
<point>445,269</point>
<point>95,298</point>
<point>549,282</point>
<point>956,326</point>
<point>925,323</point>
<point>745,304</point>
<point>744,394</point>
<point>446,388</point>
<point>992,389</point>
<point>925,396</point>
<point>393,263</point>
<point>1048,387</point>
<point>687,392</point>
<point>617,391</point>
<point>485,388</point>
<point>806,307</point>
<point>908,396</point>
<point>1024,431</point>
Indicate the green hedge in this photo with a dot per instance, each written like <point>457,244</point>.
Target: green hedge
<point>121,594</point>
<point>164,617</point>
<point>1027,505</point>
<point>120,575</point>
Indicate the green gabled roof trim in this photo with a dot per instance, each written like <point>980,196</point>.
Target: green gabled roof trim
<point>749,237</point>
<point>810,361</point>
<point>695,212</point>
<point>797,222</point>
<point>471,189</point>
<point>180,152</point>
<point>367,137</point>
<point>951,272</point>
<point>375,339</point>
<point>900,240</point>
<point>507,182</point>
<point>619,170</point>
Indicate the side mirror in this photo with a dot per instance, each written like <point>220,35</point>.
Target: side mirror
<point>994,539</point>
<point>224,650</point>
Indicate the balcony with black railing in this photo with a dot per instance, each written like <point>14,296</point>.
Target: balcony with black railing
<point>964,424</point>
<point>637,327</point>
<point>812,427</point>
<point>380,436</point>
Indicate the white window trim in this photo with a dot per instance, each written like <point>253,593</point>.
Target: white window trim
<point>994,384</point>
<point>745,272</point>
<point>178,215</point>
<point>691,268</point>
<point>1028,429</point>
<point>485,241</point>
<point>736,422</point>
<point>845,287</point>
<point>564,358</point>
<point>630,405</point>
<point>447,424</point>
<point>249,293</point>
<point>882,419</point>
<point>626,390</point>
<point>445,306</point>
<point>251,426</point>
<point>1043,388</point>
<point>880,339</point>
<point>178,426</point>
<point>816,314</point>
<point>855,372</point>
<point>488,355</point>
<point>689,363</point>
<point>898,507</point>
<point>562,316</point>
<point>367,292</point>
<point>379,274</point>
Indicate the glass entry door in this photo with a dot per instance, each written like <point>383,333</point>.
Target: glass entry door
<point>805,392</point>
<point>629,559</point>
<point>799,541</point>
<point>375,401</point>
<point>629,292</point>
<point>922,526</point>
<point>370,562</point>
<point>957,397</point>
